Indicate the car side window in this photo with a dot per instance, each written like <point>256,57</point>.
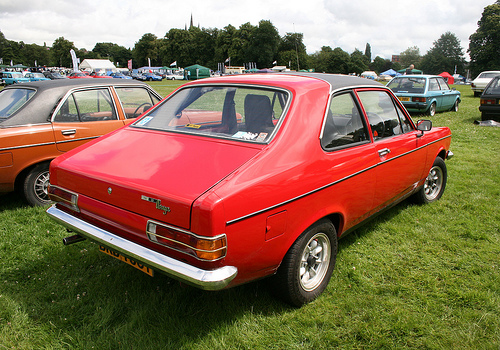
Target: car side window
<point>135,101</point>
<point>443,85</point>
<point>87,106</point>
<point>343,125</point>
<point>434,85</point>
<point>385,118</point>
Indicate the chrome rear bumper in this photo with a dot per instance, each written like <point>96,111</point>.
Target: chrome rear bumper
<point>204,279</point>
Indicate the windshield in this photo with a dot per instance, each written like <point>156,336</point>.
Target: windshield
<point>12,100</point>
<point>407,84</point>
<point>493,87</point>
<point>249,114</point>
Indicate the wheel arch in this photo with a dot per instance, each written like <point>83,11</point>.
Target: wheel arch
<point>18,184</point>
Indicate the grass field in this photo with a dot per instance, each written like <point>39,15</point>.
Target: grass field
<point>417,277</point>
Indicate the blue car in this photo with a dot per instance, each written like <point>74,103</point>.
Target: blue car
<point>151,76</point>
<point>36,77</point>
<point>13,78</point>
<point>426,94</point>
<point>119,76</point>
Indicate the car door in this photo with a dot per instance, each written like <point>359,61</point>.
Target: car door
<point>448,95</point>
<point>400,165</point>
<point>83,116</point>
<point>434,91</point>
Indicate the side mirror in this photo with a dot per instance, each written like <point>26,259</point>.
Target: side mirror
<point>424,125</point>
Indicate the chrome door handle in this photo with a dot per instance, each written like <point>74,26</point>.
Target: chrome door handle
<point>384,152</point>
<point>68,132</point>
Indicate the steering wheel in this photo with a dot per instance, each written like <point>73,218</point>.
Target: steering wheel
<point>135,114</point>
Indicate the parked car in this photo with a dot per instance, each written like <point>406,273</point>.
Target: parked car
<point>98,75</point>
<point>151,76</point>
<point>119,75</point>
<point>54,75</point>
<point>79,75</point>
<point>425,93</point>
<point>174,76</point>
<point>41,120</point>
<point>490,100</point>
<point>9,78</point>
<point>236,178</point>
<point>36,77</point>
<point>478,84</point>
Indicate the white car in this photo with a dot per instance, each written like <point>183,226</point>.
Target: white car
<point>174,76</point>
<point>482,80</point>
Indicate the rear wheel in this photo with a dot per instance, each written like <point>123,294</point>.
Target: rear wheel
<point>36,184</point>
<point>307,267</point>
<point>432,109</point>
<point>434,185</point>
<point>455,106</point>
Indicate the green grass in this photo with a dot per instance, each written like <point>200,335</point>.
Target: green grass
<point>416,277</point>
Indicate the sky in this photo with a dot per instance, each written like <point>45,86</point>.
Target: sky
<point>389,26</point>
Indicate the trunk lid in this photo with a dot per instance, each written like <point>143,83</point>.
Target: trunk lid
<point>152,173</point>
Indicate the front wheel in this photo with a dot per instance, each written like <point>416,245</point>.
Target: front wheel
<point>434,185</point>
<point>36,184</point>
<point>307,267</point>
<point>432,109</point>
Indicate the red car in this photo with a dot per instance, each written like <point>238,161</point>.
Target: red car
<point>232,179</point>
<point>78,75</point>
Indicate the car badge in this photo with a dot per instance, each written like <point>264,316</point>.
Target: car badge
<point>158,204</point>
<point>110,190</point>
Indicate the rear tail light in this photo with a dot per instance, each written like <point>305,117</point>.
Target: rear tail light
<point>418,99</point>
<point>488,101</point>
<point>64,197</point>
<point>202,248</point>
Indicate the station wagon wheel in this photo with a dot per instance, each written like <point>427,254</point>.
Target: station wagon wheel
<point>307,267</point>
<point>432,109</point>
<point>36,184</point>
<point>434,185</point>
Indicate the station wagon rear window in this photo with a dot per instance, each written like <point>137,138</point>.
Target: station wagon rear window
<point>240,113</point>
<point>11,100</point>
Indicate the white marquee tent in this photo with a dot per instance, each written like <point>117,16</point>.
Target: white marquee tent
<point>97,65</point>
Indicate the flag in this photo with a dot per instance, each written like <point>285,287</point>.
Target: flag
<point>227,60</point>
<point>275,63</point>
<point>129,64</point>
<point>173,64</point>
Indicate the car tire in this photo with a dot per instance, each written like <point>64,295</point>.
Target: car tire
<point>307,267</point>
<point>432,109</point>
<point>36,184</point>
<point>434,184</point>
<point>455,106</point>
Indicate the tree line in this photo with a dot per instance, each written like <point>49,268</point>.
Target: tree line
<point>262,46</point>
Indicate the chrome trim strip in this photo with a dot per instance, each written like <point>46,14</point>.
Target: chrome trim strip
<point>204,279</point>
<point>27,146</point>
<point>230,222</point>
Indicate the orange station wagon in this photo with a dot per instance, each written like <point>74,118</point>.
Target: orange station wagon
<point>41,120</point>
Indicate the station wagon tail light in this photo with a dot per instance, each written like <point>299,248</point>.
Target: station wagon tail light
<point>64,197</point>
<point>419,99</point>
<point>202,248</point>
<point>488,101</point>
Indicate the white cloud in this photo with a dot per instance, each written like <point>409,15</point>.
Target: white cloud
<point>389,26</point>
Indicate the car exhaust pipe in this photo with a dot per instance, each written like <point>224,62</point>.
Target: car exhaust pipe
<point>73,239</point>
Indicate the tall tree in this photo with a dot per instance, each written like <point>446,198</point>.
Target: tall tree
<point>410,56</point>
<point>358,62</point>
<point>484,47</point>
<point>368,52</point>
<point>263,44</point>
<point>147,48</point>
<point>60,52</point>
<point>292,51</point>
<point>445,56</point>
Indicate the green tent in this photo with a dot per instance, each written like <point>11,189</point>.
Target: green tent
<point>413,71</point>
<point>196,72</point>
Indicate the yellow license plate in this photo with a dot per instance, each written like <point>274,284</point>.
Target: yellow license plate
<point>126,260</point>
<point>404,99</point>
